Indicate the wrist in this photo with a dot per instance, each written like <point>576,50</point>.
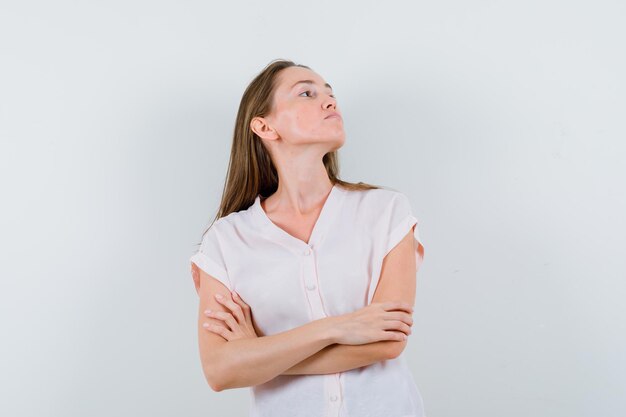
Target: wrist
<point>327,330</point>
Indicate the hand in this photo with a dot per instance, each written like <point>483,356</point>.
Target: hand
<point>373,323</point>
<point>238,320</point>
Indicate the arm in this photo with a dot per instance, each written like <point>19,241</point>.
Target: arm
<point>398,278</point>
<point>252,361</point>
<point>397,282</point>
<point>340,358</point>
<point>248,362</point>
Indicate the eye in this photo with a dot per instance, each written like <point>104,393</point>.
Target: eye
<point>308,91</point>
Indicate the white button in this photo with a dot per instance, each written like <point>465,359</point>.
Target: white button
<point>307,251</point>
<point>333,398</point>
<point>311,287</point>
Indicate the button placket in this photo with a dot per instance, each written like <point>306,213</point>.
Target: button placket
<point>309,275</point>
<point>333,395</point>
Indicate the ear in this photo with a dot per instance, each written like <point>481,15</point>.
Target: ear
<point>261,127</point>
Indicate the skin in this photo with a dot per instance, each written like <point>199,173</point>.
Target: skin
<point>297,134</point>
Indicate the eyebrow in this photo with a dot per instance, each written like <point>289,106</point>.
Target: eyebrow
<point>309,82</point>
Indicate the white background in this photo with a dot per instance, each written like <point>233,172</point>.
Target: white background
<point>502,121</point>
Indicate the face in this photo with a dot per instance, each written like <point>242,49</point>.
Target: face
<point>301,110</point>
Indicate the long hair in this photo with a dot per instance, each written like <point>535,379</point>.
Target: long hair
<point>251,170</point>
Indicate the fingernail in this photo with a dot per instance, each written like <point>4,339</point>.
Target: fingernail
<point>218,296</point>
<point>235,294</point>
<point>205,325</point>
<point>207,311</point>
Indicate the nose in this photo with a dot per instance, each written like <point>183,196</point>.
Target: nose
<point>330,102</point>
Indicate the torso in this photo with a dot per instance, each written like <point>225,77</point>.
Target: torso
<point>293,270</point>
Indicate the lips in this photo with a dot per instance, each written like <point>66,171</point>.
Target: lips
<point>333,114</point>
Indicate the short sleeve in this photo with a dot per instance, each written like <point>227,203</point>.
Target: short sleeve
<point>210,259</point>
<point>395,221</point>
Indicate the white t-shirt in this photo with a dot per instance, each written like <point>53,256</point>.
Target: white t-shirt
<point>288,283</point>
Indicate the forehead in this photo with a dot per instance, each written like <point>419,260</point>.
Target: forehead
<point>291,75</point>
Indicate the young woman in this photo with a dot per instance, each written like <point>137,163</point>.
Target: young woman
<point>306,282</point>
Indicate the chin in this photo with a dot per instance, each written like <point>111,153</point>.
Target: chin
<point>338,142</point>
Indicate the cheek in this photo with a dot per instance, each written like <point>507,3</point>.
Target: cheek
<point>297,122</point>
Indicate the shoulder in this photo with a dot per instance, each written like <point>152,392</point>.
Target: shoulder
<point>378,199</point>
<point>374,206</point>
<point>232,224</point>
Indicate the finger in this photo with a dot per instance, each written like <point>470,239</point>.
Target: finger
<point>403,327</point>
<point>398,305</point>
<point>232,306</point>
<point>405,306</point>
<point>220,330</point>
<point>399,315</point>
<point>391,335</point>
<point>245,307</point>
<point>397,325</point>
<point>211,316</point>
<point>225,317</point>
<point>240,327</point>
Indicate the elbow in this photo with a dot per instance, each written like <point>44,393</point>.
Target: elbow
<point>215,373</point>
<point>214,386</point>
<point>395,349</point>
<point>217,380</point>
<point>213,379</point>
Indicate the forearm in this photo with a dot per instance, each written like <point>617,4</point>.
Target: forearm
<point>253,361</point>
<point>339,358</point>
